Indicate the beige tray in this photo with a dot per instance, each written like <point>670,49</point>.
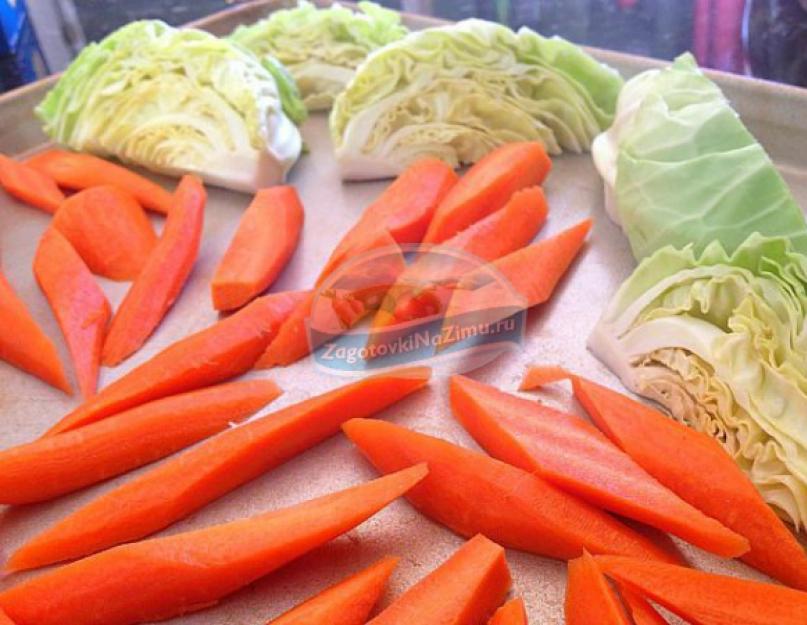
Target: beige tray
<point>556,333</point>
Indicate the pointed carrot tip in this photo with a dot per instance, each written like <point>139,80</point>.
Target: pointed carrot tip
<point>537,376</point>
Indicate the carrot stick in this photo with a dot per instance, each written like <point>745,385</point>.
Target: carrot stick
<point>640,609</point>
<point>472,493</point>
<point>109,230</point>
<point>60,464</point>
<point>224,350</point>
<point>487,186</point>
<point>266,238</point>
<point>464,590</point>
<point>164,577</point>
<point>24,344</point>
<point>171,491</point>
<point>347,603</point>
<point>572,454</point>
<point>77,302</point>
<point>163,276</point>
<point>511,613</point>
<point>29,185</point>
<point>537,376</point>
<point>589,598</point>
<point>705,598</point>
<point>681,459</point>
<point>75,171</point>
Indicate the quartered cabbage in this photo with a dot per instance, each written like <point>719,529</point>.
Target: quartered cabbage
<point>321,47</point>
<point>456,92</point>
<point>680,167</point>
<point>719,340</point>
<point>176,101</point>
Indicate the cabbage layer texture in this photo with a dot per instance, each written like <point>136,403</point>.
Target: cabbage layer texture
<point>680,167</point>
<point>457,92</point>
<point>177,101</point>
<point>719,340</point>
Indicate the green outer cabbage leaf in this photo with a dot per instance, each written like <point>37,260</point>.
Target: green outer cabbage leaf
<point>456,92</point>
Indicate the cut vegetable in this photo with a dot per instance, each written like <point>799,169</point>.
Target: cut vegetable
<point>171,491</point>
<point>347,603</point>
<point>109,230</point>
<point>537,376</point>
<point>589,598</point>
<point>575,456</point>
<point>55,465</point>
<point>266,238</point>
<point>77,302</point>
<point>24,344</point>
<point>511,613</point>
<point>29,185</point>
<point>76,171</point>
<point>224,350</point>
<point>640,609</point>
<point>186,572</point>
<point>464,590</point>
<point>472,493</point>
<point>162,278</point>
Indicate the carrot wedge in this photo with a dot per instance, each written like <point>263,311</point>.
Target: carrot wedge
<point>55,465</point>
<point>109,230</point>
<point>640,609</point>
<point>24,344</point>
<point>511,613</point>
<point>464,590</point>
<point>347,603</point>
<point>76,171</point>
<point>185,483</point>
<point>472,493</point>
<point>589,598</point>
<point>681,458</point>
<point>487,186</point>
<point>177,574</point>
<point>572,454</point>
<point>705,598</point>
<point>77,302</point>
<point>224,350</point>
<point>29,185</point>
<point>159,283</point>
<point>266,238</point>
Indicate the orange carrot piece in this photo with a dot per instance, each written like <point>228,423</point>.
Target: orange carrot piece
<point>24,344</point>
<point>472,493</point>
<point>640,609</point>
<point>572,454</point>
<point>4,620</point>
<point>511,613</point>
<point>680,458</point>
<point>159,283</point>
<point>266,238</point>
<point>60,464</point>
<point>537,376</point>
<point>29,185</point>
<point>224,350</point>
<point>487,186</point>
<point>171,491</point>
<point>177,574</point>
<point>464,590</point>
<point>109,230</point>
<point>705,598</point>
<point>75,171</point>
<point>347,603</point>
<point>589,597</point>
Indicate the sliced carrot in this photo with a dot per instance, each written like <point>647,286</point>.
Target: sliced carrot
<point>75,171</point>
<point>77,302</point>
<point>537,376</point>
<point>511,613</point>
<point>681,458</point>
<point>159,283</point>
<point>55,465</point>
<point>224,350</point>
<point>109,230</point>
<point>464,590</point>
<point>472,493</point>
<point>266,238</point>
<point>487,186</point>
<point>707,599</point>
<point>589,598</point>
<point>347,603</point>
<point>164,577</point>
<point>29,185</point>
<point>572,454</point>
<point>24,344</point>
<point>171,491</point>
<point>640,609</point>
